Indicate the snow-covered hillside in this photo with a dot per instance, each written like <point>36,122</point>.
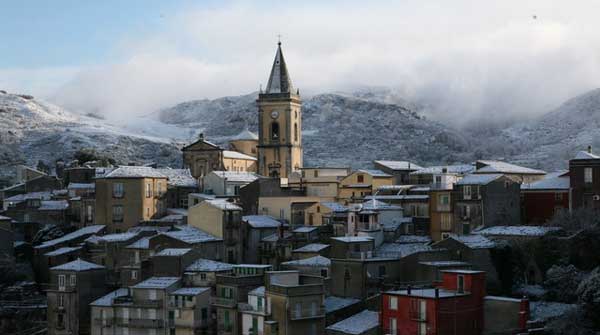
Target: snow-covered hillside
<point>555,137</point>
<point>32,130</point>
<point>338,129</point>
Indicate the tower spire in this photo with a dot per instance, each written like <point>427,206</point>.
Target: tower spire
<point>279,80</point>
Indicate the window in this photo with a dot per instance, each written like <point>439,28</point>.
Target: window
<point>61,300</point>
<point>118,190</point>
<point>295,132</point>
<point>393,303</point>
<point>324,273</point>
<point>204,313</point>
<point>73,280</point>
<point>316,173</point>
<point>148,211</point>
<point>467,192</point>
<point>148,190</point>
<point>117,213</point>
<point>382,271</point>
<point>274,131</point>
<point>558,196</point>
<point>438,179</point>
<point>393,326</point>
<point>61,282</point>
<point>588,175</point>
<point>89,213</point>
<point>203,276</point>
<point>360,178</point>
<point>298,310</point>
<point>460,283</point>
<point>446,221</point>
<point>134,274</point>
<point>159,188</point>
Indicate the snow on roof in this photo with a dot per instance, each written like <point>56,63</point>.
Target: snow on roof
<point>400,250</point>
<point>30,195</point>
<point>552,181</point>
<point>237,155</point>
<point>62,251</point>
<point>374,173</point>
<point>311,261</point>
<point>275,237</point>
<point>156,229</point>
<point>457,169</point>
<point>157,282</point>
<point>120,237</point>
<point>427,293</point>
<point>173,252</point>
<point>399,165</point>
<point>445,263</point>
<point>142,243</point>
<point>134,172</point>
<point>399,197</point>
<point>261,221</point>
<point>4,218</point>
<point>517,231</point>
<point>81,186</point>
<point>335,207</point>
<point>77,265</point>
<point>233,176</point>
<point>474,241</point>
<point>107,300</point>
<point>53,205</point>
<point>478,179</point>
<point>353,239</point>
<point>179,177</point>
<point>357,324</point>
<point>377,205</point>
<point>505,168</point>
<point>190,291</point>
<point>207,265</point>
<point>223,204</point>
<point>304,229</point>
<point>190,235</point>
<point>89,230</point>
<point>413,239</point>
<point>333,303</point>
<point>244,135</point>
<point>313,247</point>
<point>259,291</point>
<point>544,310</point>
<point>585,155</point>
<point>257,266</point>
<point>463,271</point>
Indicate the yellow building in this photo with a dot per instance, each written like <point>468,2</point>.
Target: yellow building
<point>322,182</point>
<point>245,142</point>
<point>238,162</point>
<point>361,183</point>
<point>279,124</point>
<point>290,208</point>
<point>128,195</point>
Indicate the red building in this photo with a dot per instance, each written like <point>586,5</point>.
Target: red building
<point>542,199</point>
<point>455,306</point>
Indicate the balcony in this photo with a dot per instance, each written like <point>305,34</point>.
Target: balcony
<point>309,289</point>
<point>223,302</point>
<point>139,323</point>
<point>150,303</point>
<point>103,322</point>
<point>233,280</point>
<point>247,308</point>
<point>307,313</point>
<point>188,324</point>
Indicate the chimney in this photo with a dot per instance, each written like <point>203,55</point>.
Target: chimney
<point>280,230</point>
<point>201,136</point>
<point>408,289</point>
<point>589,149</point>
<point>437,293</point>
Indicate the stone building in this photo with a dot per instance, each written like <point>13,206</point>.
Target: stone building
<point>279,124</point>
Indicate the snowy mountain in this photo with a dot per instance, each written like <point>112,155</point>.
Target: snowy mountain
<point>32,130</point>
<point>556,136</point>
<point>343,130</point>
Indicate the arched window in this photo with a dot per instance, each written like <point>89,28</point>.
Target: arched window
<point>295,132</point>
<point>274,131</point>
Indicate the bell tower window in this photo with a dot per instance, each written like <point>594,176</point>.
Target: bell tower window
<point>296,132</point>
<point>274,131</point>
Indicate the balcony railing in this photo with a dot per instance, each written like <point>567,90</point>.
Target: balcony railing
<point>244,307</point>
<point>140,323</point>
<point>307,313</point>
<point>155,303</point>
<point>297,290</point>
<point>188,324</point>
<point>223,302</point>
<point>103,322</point>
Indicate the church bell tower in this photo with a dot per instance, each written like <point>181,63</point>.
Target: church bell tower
<point>279,123</point>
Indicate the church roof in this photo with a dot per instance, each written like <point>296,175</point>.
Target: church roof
<point>279,80</point>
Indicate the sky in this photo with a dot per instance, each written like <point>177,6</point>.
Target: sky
<point>460,59</point>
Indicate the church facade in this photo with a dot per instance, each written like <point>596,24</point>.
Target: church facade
<point>280,123</point>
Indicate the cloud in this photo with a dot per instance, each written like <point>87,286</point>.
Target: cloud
<point>462,59</point>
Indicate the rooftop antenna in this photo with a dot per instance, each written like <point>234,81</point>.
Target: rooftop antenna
<point>279,39</point>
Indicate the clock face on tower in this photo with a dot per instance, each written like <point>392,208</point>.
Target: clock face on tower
<point>274,114</point>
